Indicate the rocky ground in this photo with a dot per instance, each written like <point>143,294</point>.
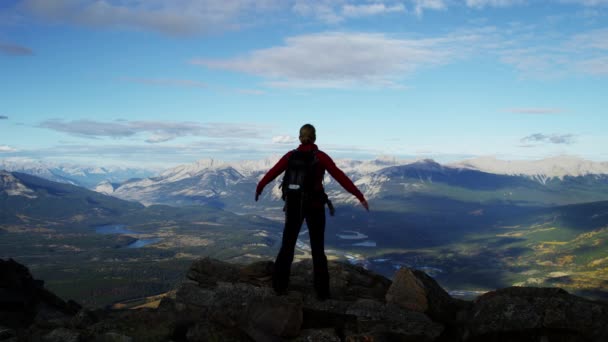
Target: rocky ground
<point>226,302</point>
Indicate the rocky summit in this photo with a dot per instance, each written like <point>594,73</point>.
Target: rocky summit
<point>219,301</point>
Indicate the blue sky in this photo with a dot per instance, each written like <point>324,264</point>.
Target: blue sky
<point>160,83</point>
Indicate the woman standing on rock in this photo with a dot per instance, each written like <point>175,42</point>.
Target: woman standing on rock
<point>305,198</point>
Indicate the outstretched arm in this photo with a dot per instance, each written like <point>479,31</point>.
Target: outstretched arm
<point>273,173</point>
<point>342,179</point>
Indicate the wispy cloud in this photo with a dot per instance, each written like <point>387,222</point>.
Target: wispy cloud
<point>590,3</point>
<point>7,149</point>
<point>15,50</point>
<point>284,139</point>
<point>349,59</point>
<point>365,10</point>
<point>543,56</point>
<point>337,11</point>
<point>170,17</point>
<point>535,111</point>
<point>156,131</point>
<point>493,3</point>
<point>566,139</point>
<point>3,117</point>
<point>421,5</point>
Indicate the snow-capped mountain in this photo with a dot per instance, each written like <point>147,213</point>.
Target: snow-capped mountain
<point>86,176</point>
<point>541,170</point>
<point>231,185</point>
<point>12,186</point>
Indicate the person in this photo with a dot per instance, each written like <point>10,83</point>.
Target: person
<point>311,208</point>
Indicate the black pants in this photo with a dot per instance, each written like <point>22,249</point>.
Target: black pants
<point>295,212</point>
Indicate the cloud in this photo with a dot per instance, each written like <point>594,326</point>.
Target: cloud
<point>3,117</point>
<point>324,10</point>
<point>156,131</point>
<point>544,56</point>
<point>595,66</point>
<point>15,50</point>
<point>349,59</point>
<point>589,3</point>
<point>284,139</point>
<point>421,5</point>
<point>171,17</point>
<point>337,11</point>
<point>493,3</point>
<point>167,82</point>
<point>566,139</point>
<point>536,111</point>
<point>7,149</point>
<point>371,9</point>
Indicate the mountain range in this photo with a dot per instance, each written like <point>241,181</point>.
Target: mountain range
<point>472,229</point>
<point>230,185</point>
<point>85,176</point>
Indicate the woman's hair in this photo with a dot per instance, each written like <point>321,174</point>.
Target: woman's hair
<point>308,134</point>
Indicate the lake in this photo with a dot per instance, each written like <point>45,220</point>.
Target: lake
<point>122,229</point>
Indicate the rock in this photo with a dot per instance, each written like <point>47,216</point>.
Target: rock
<point>208,272</point>
<point>415,290</point>
<point>257,273</point>
<point>24,299</point>
<point>379,319</point>
<point>318,335</point>
<point>62,335</point>
<point>112,337</point>
<point>207,331</point>
<point>7,333</point>
<point>528,314</point>
<point>224,302</point>
<point>83,319</point>
<point>347,282</point>
<point>275,316</point>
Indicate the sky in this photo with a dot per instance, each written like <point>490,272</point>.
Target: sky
<point>144,83</point>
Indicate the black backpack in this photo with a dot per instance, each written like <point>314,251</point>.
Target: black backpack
<point>300,173</point>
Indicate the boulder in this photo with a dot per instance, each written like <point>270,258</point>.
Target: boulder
<point>531,314</point>
<point>24,299</point>
<point>207,272</point>
<point>62,335</point>
<point>391,321</point>
<point>347,282</point>
<point>415,290</point>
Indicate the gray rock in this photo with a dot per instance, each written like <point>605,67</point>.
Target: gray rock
<point>205,331</point>
<point>62,335</point>
<point>318,335</point>
<point>415,290</point>
<point>7,333</point>
<point>113,337</point>
<point>208,272</point>
<point>347,282</point>
<point>391,320</point>
<point>529,312</point>
<point>83,319</point>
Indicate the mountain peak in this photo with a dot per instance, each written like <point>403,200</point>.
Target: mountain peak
<point>12,186</point>
<point>552,167</point>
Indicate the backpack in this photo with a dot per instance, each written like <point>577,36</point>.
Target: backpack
<point>300,173</point>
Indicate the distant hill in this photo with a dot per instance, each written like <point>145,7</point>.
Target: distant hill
<point>85,176</point>
<point>24,198</point>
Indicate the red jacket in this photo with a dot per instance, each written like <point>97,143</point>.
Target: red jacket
<point>325,163</point>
